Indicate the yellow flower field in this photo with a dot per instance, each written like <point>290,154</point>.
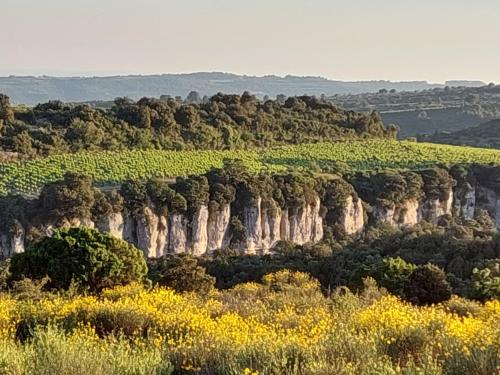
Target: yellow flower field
<point>251,329</point>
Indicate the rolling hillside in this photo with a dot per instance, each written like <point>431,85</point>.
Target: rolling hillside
<point>485,135</point>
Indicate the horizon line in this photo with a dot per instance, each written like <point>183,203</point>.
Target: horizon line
<point>281,76</point>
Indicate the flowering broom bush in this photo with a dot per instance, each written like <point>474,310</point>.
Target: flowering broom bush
<point>283,326</point>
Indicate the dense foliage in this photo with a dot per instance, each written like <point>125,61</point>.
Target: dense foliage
<point>469,254</point>
<point>81,256</point>
<point>106,168</point>
<point>221,122</point>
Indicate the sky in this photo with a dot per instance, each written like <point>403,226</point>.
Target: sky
<point>433,40</point>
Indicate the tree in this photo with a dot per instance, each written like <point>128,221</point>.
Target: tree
<point>427,285</point>
<point>181,273</point>
<point>83,135</point>
<point>193,97</point>
<point>6,112</point>
<point>393,274</point>
<point>85,256</point>
<point>486,281</point>
<point>23,143</point>
<point>71,198</point>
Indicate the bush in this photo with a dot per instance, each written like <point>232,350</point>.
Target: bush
<point>427,285</point>
<point>486,281</point>
<point>393,274</point>
<point>4,273</point>
<point>84,256</point>
<point>181,273</point>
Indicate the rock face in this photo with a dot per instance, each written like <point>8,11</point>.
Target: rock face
<point>409,213</point>
<point>147,233</point>
<point>383,214</point>
<point>177,236</point>
<point>253,227</point>
<point>306,224</point>
<point>265,227</point>
<point>403,215</point>
<point>209,228</point>
<point>271,227</point>
<point>112,224</point>
<point>13,242</point>
<point>218,228</point>
<point>488,200</point>
<point>433,209</point>
<point>464,204</point>
<point>199,231</point>
<point>353,216</point>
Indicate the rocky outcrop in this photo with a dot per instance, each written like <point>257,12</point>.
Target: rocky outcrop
<point>199,231</point>
<point>147,232</point>
<point>218,228</point>
<point>208,228</point>
<point>432,209</point>
<point>464,202</point>
<point>384,214</point>
<point>352,219</point>
<point>306,224</point>
<point>487,199</point>
<point>271,227</point>
<point>264,228</point>
<point>253,227</point>
<point>112,224</point>
<point>177,236</point>
<point>402,215</point>
<point>12,242</point>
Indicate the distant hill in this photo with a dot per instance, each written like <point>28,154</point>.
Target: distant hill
<point>34,90</point>
<point>465,83</point>
<point>484,135</point>
<point>447,109</point>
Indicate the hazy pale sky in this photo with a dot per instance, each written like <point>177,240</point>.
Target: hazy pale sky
<point>434,40</point>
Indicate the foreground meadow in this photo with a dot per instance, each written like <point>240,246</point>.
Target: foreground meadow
<point>283,326</point>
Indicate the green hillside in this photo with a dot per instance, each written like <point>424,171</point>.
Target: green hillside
<point>27,177</point>
<point>485,135</point>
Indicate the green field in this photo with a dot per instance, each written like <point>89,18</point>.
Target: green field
<point>112,167</point>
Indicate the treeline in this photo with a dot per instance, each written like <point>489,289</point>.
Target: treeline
<point>219,122</point>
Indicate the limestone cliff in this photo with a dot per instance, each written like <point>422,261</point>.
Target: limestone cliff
<point>206,228</point>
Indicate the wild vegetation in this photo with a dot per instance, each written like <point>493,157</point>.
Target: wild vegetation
<point>387,300</point>
<point>221,122</point>
<point>284,324</point>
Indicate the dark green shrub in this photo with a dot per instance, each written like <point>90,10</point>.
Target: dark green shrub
<point>181,273</point>
<point>84,256</point>
<point>427,285</point>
